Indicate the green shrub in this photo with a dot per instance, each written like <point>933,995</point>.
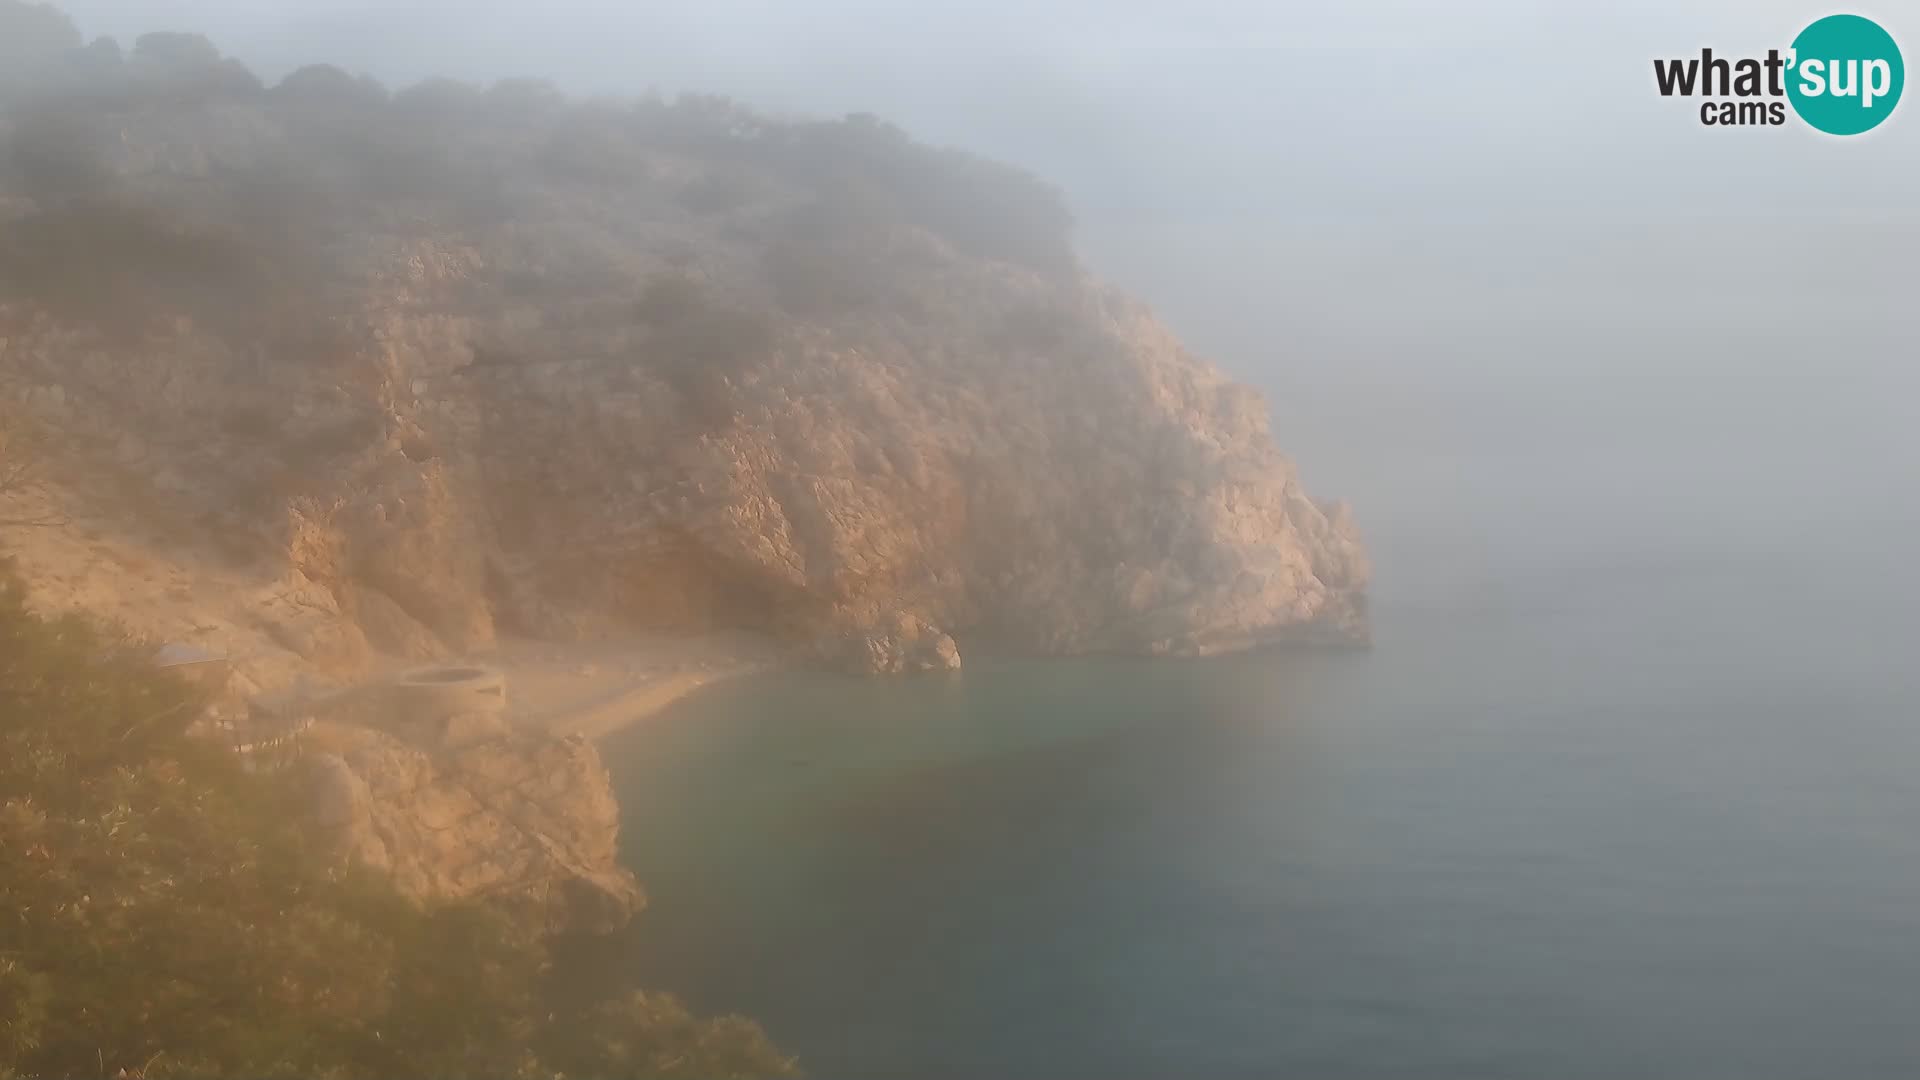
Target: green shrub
<point>645,1034</point>
<point>715,193</point>
<point>166,917</point>
<point>325,84</point>
<point>188,67</point>
<point>57,152</point>
<point>701,344</point>
<point>438,97</point>
<point>121,267</point>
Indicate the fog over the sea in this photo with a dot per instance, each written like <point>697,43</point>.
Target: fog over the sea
<point>1440,236</point>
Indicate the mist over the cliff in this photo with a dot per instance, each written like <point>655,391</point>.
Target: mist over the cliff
<point>1622,404</point>
<point>1303,189</point>
<point>1448,241</point>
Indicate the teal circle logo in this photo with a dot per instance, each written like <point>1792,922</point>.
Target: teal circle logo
<point>1846,75</point>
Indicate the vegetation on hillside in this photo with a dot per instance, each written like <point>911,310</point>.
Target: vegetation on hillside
<point>164,916</point>
<point>245,190</point>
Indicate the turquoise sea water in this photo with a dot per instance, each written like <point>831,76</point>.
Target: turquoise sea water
<point>1629,785</point>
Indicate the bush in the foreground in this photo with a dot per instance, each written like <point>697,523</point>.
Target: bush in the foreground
<point>163,918</point>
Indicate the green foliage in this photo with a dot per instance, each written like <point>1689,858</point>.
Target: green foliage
<point>523,99</point>
<point>832,256</point>
<point>163,916</point>
<point>56,152</point>
<point>167,49</point>
<point>327,84</point>
<point>699,343</point>
<point>715,193</point>
<point>980,207</point>
<point>92,251</point>
<point>188,67</point>
<point>646,1034</point>
<point>118,265</point>
<point>438,97</point>
<point>691,329</point>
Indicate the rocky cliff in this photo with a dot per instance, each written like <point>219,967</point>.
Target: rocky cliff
<point>437,365</point>
<point>527,823</point>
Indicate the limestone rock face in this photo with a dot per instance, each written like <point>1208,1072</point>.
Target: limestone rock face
<point>528,823</point>
<point>891,643</point>
<point>655,367</point>
<point>390,629</point>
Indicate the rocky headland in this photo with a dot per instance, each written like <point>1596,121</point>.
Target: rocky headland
<point>331,380</point>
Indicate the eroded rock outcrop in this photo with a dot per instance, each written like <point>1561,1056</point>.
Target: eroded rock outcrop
<point>528,823</point>
<point>887,643</point>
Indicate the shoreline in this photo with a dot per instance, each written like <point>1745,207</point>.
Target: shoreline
<point>598,690</point>
<point>635,704</point>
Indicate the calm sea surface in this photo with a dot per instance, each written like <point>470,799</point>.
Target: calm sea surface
<point>1629,786</point>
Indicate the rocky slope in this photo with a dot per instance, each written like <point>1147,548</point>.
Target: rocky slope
<point>528,823</point>
<point>435,366</point>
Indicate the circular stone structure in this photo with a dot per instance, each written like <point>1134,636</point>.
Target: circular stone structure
<point>440,692</point>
